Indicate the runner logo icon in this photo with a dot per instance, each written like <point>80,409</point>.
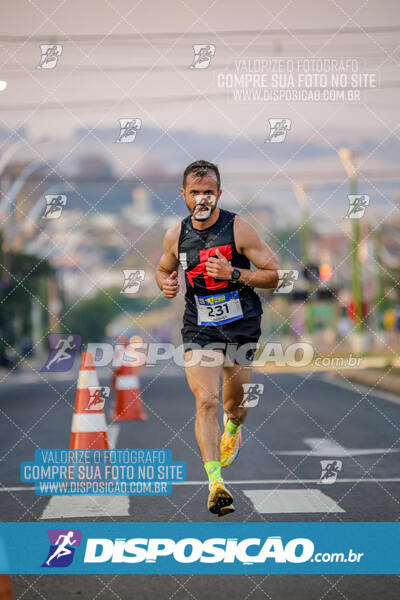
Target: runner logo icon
<point>357,206</point>
<point>132,281</point>
<point>62,352</point>
<point>97,397</point>
<point>50,54</point>
<point>62,547</point>
<point>287,278</point>
<point>330,470</point>
<point>203,54</point>
<point>54,206</point>
<point>278,130</point>
<point>128,130</point>
<point>251,394</point>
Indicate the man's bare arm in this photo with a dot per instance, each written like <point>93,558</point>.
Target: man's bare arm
<point>249,243</point>
<point>167,270</point>
<point>259,254</point>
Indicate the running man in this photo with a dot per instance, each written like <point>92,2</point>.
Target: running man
<point>216,248</point>
<point>63,346</point>
<point>62,549</point>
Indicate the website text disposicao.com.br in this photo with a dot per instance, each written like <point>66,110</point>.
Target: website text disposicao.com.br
<point>138,354</point>
<point>84,488</point>
<point>213,550</point>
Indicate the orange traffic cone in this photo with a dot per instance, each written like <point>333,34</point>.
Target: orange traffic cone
<point>89,429</point>
<point>5,588</point>
<point>128,405</point>
<point>121,343</point>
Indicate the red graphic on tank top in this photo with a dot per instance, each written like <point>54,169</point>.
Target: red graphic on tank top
<point>211,284</point>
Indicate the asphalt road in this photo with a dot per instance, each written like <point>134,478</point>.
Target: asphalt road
<point>299,421</point>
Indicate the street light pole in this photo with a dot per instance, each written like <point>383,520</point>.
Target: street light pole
<point>305,234</point>
<point>347,158</point>
<point>380,299</point>
<point>355,262</point>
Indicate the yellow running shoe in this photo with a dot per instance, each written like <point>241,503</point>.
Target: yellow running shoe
<point>220,501</point>
<point>230,446</point>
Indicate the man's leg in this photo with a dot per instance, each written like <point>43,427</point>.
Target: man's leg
<point>204,381</point>
<point>232,396</point>
<point>205,384</point>
<point>232,391</point>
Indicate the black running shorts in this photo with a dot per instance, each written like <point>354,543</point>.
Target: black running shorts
<point>243,333</point>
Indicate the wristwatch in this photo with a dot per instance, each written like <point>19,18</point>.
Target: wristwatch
<point>235,274</point>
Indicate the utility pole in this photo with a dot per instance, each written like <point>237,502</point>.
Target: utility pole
<point>305,237</point>
<point>380,299</point>
<point>348,161</point>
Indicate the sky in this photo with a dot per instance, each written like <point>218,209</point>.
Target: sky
<point>127,59</point>
<point>145,73</point>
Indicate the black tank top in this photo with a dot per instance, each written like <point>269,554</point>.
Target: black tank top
<point>206,298</point>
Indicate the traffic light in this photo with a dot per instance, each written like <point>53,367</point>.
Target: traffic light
<point>325,272</point>
<point>316,272</point>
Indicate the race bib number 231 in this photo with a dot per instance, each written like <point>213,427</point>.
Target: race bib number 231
<point>218,309</point>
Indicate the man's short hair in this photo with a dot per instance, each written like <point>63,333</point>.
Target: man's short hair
<point>201,168</point>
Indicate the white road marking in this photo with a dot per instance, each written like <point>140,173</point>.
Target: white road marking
<point>251,482</point>
<point>292,501</point>
<point>61,507</point>
<point>363,389</point>
<point>25,488</point>
<point>326,447</point>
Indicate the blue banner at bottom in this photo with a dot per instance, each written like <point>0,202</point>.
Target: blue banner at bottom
<point>214,548</point>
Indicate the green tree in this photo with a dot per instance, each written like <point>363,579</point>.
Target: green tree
<point>90,317</point>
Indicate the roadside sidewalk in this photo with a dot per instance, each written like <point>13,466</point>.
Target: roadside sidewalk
<point>382,372</point>
<point>29,371</point>
<point>25,366</point>
<point>380,378</point>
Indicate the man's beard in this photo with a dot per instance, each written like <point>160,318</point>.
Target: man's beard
<point>203,215</point>
<point>204,207</point>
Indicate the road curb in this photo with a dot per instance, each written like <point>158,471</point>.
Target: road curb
<point>373,378</point>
